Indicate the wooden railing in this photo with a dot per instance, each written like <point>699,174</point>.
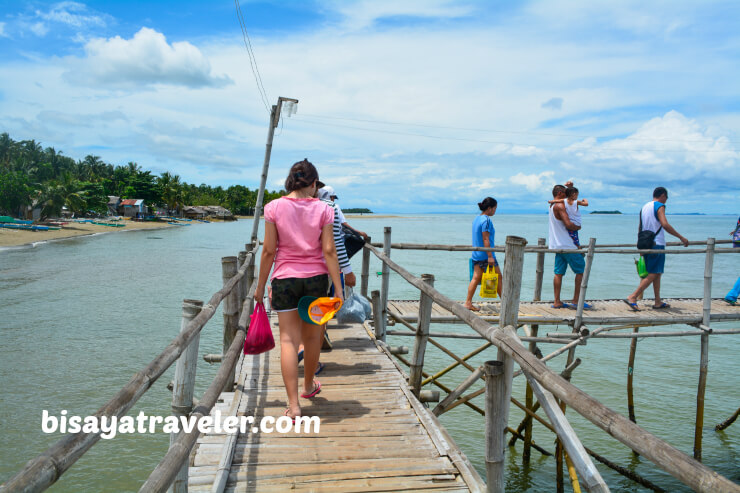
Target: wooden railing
<point>237,294</point>
<point>542,381</point>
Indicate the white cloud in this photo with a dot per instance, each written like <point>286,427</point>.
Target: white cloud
<point>534,182</point>
<point>2,30</point>
<point>363,13</point>
<point>39,29</point>
<point>672,146</point>
<point>144,60</point>
<point>72,14</point>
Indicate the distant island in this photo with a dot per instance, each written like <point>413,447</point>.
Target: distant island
<point>606,212</point>
<point>357,211</point>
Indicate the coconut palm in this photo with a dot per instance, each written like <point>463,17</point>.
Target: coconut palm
<point>170,190</point>
<point>65,192</point>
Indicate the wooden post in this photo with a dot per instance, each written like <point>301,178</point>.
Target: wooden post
<point>240,261</point>
<point>183,389</point>
<point>249,276</point>
<point>377,316</point>
<point>513,265</point>
<point>365,276</point>
<point>528,396</point>
<point>385,280</point>
<point>496,418</point>
<point>704,360</point>
<point>630,376</point>
<point>540,271</point>
<point>230,309</point>
<point>422,336</point>
<point>584,285</point>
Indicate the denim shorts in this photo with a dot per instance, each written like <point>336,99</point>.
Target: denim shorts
<point>288,291</point>
<point>655,263</point>
<point>574,260</point>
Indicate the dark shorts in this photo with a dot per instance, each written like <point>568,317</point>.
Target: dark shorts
<point>483,264</point>
<point>287,292</point>
<point>655,263</point>
<point>573,260</point>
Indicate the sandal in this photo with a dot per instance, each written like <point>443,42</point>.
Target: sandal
<point>292,418</point>
<point>316,390</point>
<point>661,306</point>
<point>634,306</point>
<point>319,368</point>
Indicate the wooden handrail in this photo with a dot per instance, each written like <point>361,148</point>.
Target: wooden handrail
<point>45,469</point>
<point>667,457</point>
<point>165,472</point>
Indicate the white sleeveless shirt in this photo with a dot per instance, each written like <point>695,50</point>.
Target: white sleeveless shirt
<point>574,213</point>
<point>558,237</point>
<point>650,221</point>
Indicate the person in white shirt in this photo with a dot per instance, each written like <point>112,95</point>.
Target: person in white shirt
<point>653,219</point>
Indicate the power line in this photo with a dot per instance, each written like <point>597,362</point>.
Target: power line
<point>252,58</point>
<point>463,139</point>
<point>488,130</point>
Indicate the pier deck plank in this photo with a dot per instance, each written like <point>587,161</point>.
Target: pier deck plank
<point>374,435</point>
<point>604,312</point>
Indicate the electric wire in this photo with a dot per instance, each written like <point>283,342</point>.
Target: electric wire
<point>484,141</point>
<point>252,58</point>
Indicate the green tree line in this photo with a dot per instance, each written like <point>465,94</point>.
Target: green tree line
<point>31,175</point>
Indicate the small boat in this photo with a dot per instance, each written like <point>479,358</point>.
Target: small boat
<point>112,225</point>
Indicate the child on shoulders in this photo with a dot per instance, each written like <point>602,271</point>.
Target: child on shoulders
<point>571,203</point>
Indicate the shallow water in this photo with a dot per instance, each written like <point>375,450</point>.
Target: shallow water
<point>79,317</point>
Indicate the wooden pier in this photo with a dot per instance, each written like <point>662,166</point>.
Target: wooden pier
<point>374,435</point>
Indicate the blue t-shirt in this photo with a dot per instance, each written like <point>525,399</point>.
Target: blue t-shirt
<point>480,224</point>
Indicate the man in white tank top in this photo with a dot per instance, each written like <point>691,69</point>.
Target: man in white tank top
<point>653,219</point>
<point>559,239</point>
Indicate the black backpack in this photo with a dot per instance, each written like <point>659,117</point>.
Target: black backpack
<point>353,242</point>
<point>646,239</point>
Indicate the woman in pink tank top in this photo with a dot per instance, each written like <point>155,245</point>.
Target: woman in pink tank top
<point>299,241</point>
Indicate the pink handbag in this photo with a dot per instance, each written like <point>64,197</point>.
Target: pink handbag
<point>259,335</point>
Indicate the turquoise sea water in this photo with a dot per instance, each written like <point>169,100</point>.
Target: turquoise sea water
<point>79,317</point>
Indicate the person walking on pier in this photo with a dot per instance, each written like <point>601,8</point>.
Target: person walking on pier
<point>300,243</point>
<point>652,218</point>
<point>559,239</point>
<point>483,236</point>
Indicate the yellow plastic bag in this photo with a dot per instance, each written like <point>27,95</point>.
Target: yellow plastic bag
<point>489,284</point>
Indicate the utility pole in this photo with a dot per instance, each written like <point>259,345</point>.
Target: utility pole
<point>274,120</point>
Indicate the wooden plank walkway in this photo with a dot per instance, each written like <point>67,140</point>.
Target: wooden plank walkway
<point>604,312</point>
<point>374,436</point>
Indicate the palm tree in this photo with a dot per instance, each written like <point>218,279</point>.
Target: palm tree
<point>67,192</point>
<point>171,190</point>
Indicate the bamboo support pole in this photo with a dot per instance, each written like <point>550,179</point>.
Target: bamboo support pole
<point>704,358</point>
<point>496,417</point>
<point>630,376</point>
<point>726,423</point>
<point>572,474</point>
<point>458,391</point>
<point>422,336</point>
<point>454,365</point>
<point>45,469</point>
<point>183,388</point>
<point>539,271</point>
<point>385,280</point>
<point>567,435</point>
<point>365,275</point>
<point>584,285</point>
<point>668,458</point>
<point>230,309</point>
<point>377,317</point>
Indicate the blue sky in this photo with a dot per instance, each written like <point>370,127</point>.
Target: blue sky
<point>414,106</point>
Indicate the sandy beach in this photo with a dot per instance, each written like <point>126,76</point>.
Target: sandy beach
<point>17,237</point>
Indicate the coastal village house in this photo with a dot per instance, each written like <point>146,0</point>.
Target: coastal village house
<point>133,208</point>
<point>114,203</point>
